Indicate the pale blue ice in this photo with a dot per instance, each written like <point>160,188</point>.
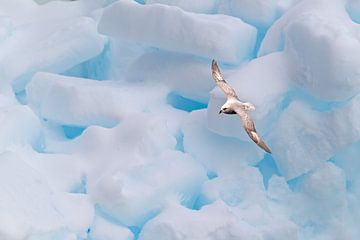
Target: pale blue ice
<point>109,124</point>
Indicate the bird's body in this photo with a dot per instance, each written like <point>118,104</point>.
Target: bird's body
<point>234,106</point>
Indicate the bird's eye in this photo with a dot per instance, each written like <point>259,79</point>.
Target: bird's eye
<point>224,109</point>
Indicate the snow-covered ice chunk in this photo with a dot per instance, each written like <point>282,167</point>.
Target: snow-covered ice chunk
<point>5,28</point>
<point>245,193</point>
<point>136,140</point>
<point>19,126</point>
<point>72,7</point>
<point>136,194</point>
<point>29,207</point>
<point>83,102</point>
<point>303,138</point>
<point>278,189</point>
<point>328,58</point>
<point>318,190</point>
<point>349,161</point>
<point>63,172</point>
<point>222,37</point>
<point>77,211</point>
<point>18,8</point>
<point>243,188</point>
<point>103,229</point>
<point>52,45</point>
<point>219,154</point>
<point>215,221</point>
<point>24,209</point>
<point>54,235</point>
<point>185,74</point>
<point>320,205</point>
<point>259,13</point>
<point>142,170</point>
<point>204,6</point>
<point>353,8</point>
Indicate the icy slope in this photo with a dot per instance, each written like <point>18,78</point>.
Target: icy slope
<point>109,124</point>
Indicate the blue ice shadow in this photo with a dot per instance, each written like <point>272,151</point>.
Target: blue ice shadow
<point>211,175</point>
<point>201,199</point>
<point>353,14</point>
<point>136,230</point>
<point>96,68</point>
<point>140,1</point>
<point>81,187</point>
<point>182,103</point>
<point>21,97</point>
<point>315,103</point>
<point>179,141</point>
<point>72,132</point>
<point>267,168</point>
<point>294,184</point>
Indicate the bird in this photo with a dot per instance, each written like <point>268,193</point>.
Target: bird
<point>233,105</point>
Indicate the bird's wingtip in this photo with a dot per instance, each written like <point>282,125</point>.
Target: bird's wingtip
<point>213,63</point>
<point>266,148</point>
<point>214,66</point>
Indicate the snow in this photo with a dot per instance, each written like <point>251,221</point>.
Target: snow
<point>105,230</point>
<point>319,128</point>
<point>48,91</point>
<point>184,74</point>
<point>19,127</point>
<point>74,34</point>
<point>205,6</point>
<point>180,223</point>
<point>109,124</point>
<point>219,37</point>
<point>329,53</point>
<point>259,13</point>
<point>29,206</point>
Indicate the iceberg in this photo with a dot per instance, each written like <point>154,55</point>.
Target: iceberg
<point>109,124</point>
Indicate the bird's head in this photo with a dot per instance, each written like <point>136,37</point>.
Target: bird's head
<point>227,109</point>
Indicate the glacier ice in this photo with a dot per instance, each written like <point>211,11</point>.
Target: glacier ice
<point>260,13</point>
<point>212,222</point>
<point>109,125</point>
<point>184,74</point>
<point>74,34</point>
<point>329,53</point>
<point>19,127</point>
<point>102,229</point>
<point>49,91</point>
<point>30,207</point>
<point>319,128</point>
<point>205,6</point>
<point>220,35</point>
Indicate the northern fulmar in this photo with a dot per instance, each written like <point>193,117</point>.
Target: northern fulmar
<point>233,105</point>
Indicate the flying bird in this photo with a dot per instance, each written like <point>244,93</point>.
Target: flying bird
<point>233,105</point>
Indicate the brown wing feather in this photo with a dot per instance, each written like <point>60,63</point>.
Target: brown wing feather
<point>249,127</point>
<point>222,84</point>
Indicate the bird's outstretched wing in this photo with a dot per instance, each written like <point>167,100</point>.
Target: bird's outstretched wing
<point>249,127</point>
<point>222,84</point>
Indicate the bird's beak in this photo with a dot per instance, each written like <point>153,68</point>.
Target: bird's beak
<point>221,111</point>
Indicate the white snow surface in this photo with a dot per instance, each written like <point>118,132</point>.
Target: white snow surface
<point>168,27</point>
<point>109,124</point>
